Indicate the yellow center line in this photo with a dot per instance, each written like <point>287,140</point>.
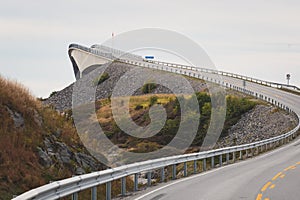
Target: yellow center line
<point>290,167</point>
<point>276,176</point>
<point>270,185</point>
<point>266,186</point>
<point>259,196</point>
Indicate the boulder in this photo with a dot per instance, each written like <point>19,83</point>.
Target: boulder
<point>44,158</point>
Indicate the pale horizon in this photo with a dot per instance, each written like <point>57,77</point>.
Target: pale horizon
<point>256,39</point>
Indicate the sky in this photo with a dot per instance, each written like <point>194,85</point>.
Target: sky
<point>255,38</point>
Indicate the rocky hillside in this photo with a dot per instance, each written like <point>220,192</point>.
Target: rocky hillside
<point>262,122</point>
<point>62,100</point>
<point>37,144</point>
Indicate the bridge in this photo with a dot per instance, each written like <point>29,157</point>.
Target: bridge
<point>271,175</point>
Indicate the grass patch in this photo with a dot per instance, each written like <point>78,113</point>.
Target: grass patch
<point>101,78</point>
<point>148,87</point>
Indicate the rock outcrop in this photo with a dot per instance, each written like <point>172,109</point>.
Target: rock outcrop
<point>55,152</point>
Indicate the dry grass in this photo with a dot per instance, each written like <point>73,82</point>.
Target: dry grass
<point>20,169</point>
<point>16,96</point>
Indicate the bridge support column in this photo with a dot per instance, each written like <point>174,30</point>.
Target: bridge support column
<point>123,186</point>
<point>94,193</point>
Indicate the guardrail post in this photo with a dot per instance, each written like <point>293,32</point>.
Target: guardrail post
<point>174,171</point>
<point>149,178</point>
<point>94,193</point>
<point>75,196</point>
<point>241,155</point>
<point>185,169</point>
<point>136,182</point>
<point>253,152</point>
<point>204,164</point>
<point>233,157</point>
<point>108,191</point>
<point>247,153</point>
<point>221,160</point>
<point>227,158</point>
<point>123,186</point>
<point>162,175</point>
<point>195,166</point>
<point>212,163</point>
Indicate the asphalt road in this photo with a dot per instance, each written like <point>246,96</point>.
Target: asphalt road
<point>271,176</point>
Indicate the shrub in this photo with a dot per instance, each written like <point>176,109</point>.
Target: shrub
<point>101,79</point>
<point>148,87</point>
<point>153,100</point>
<point>138,107</point>
<point>53,93</point>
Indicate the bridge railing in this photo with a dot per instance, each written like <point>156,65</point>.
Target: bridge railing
<point>247,78</point>
<point>72,186</point>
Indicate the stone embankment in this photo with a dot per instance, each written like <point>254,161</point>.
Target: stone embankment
<point>62,100</point>
<point>262,122</point>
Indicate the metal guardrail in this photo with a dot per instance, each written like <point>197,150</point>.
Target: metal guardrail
<point>115,54</point>
<point>247,78</point>
<point>72,186</point>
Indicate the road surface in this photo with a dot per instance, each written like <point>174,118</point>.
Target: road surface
<point>271,176</point>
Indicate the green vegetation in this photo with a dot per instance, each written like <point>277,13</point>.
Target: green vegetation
<point>236,107</point>
<point>153,100</point>
<point>139,109</point>
<point>148,87</point>
<point>53,93</point>
<point>101,78</point>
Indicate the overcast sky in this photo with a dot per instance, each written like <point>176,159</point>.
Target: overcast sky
<point>255,38</point>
